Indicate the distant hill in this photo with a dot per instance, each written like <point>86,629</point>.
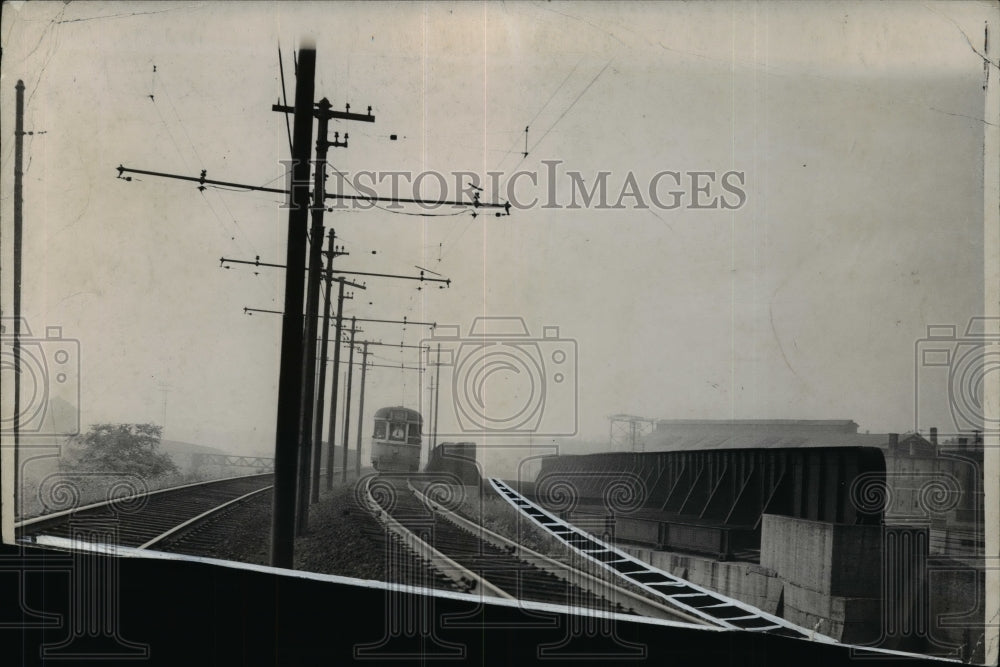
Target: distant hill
<point>177,447</point>
<point>182,453</point>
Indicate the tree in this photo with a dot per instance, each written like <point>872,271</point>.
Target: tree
<point>122,448</point>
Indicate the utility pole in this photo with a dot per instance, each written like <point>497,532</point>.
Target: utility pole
<point>18,230</point>
<point>287,429</point>
<point>333,393</point>
<point>361,406</point>
<point>321,385</point>
<point>343,416</point>
<point>294,427</point>
<point>318,417</point>
<point>312,303</point>
<point>347,398</point>
<point>323,114</point>
<point>336,354</point>
<point>332,437</point>
<point>437,396</point>
<point>430,425</point>
<point>165,390</point>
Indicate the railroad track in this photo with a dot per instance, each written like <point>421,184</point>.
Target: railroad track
<point>145,520</point>
<point>478,561</point>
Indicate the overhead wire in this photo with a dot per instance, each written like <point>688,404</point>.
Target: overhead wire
<point>166,93</point>
<point>389,210</point>
<point>563,114</point>
<point>530,150</point>
<point>539,113</point>
<point>511,150</point>
<point>284,97</point>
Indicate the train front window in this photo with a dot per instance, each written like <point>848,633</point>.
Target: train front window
<point>380,428</point>
<point>414,434</point>
<point>397,431</point>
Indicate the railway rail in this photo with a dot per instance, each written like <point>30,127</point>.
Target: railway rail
<point>144,520</point>
<point>433,546</point>
<point>476,560</point>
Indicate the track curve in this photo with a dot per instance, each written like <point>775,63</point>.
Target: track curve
<point>144,520</point>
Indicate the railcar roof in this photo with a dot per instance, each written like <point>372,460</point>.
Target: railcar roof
<point>383,413</point>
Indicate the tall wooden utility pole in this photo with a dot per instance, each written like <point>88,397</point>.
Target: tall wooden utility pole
<point>323,113</point>
<point>312,304</point>
<point>332,437</point>
<point>321,385</point>
<point>287,429</point>
<point>18,222</point>
<point>347,397</point>
<point>437,398</point>
<point>361,406</point>
<point>430,416</point>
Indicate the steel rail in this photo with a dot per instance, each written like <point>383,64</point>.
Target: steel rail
<point>201,517</point>
<point>61,513</point>
<point>455,572</point>
<point>580,578</point>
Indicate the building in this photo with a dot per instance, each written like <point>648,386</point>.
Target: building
<point>873,539</point>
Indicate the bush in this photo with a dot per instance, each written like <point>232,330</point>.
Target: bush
<point>119,448</point>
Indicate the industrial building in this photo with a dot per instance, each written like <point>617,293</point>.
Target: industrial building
<point>873,539</point>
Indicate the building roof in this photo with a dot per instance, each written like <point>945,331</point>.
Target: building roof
<point>784,425</point>
<point>701,435</point>
<point>691,442</point>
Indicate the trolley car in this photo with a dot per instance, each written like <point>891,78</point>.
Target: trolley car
<point>396,439</point>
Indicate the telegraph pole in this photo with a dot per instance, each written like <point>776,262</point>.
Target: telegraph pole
<point>294,426</point>
<point>323,114</point>
<point>18,230</point>
<point>334,390</point>
<point>332,437</point>
<point>287,429</point>
<point>333,394</point>
<point>437,396</point>
<point>321,385</point>
<point>361,405</point>
<point>347,399</point>
<point>312,303</point>
<point>318,418</point>
<point>430,417</point>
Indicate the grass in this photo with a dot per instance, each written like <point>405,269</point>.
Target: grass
<point>493,512</point>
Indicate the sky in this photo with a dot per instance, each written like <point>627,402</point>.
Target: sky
<point>856,132</point>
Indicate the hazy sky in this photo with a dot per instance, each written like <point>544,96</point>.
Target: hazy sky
<point>858,128</point>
